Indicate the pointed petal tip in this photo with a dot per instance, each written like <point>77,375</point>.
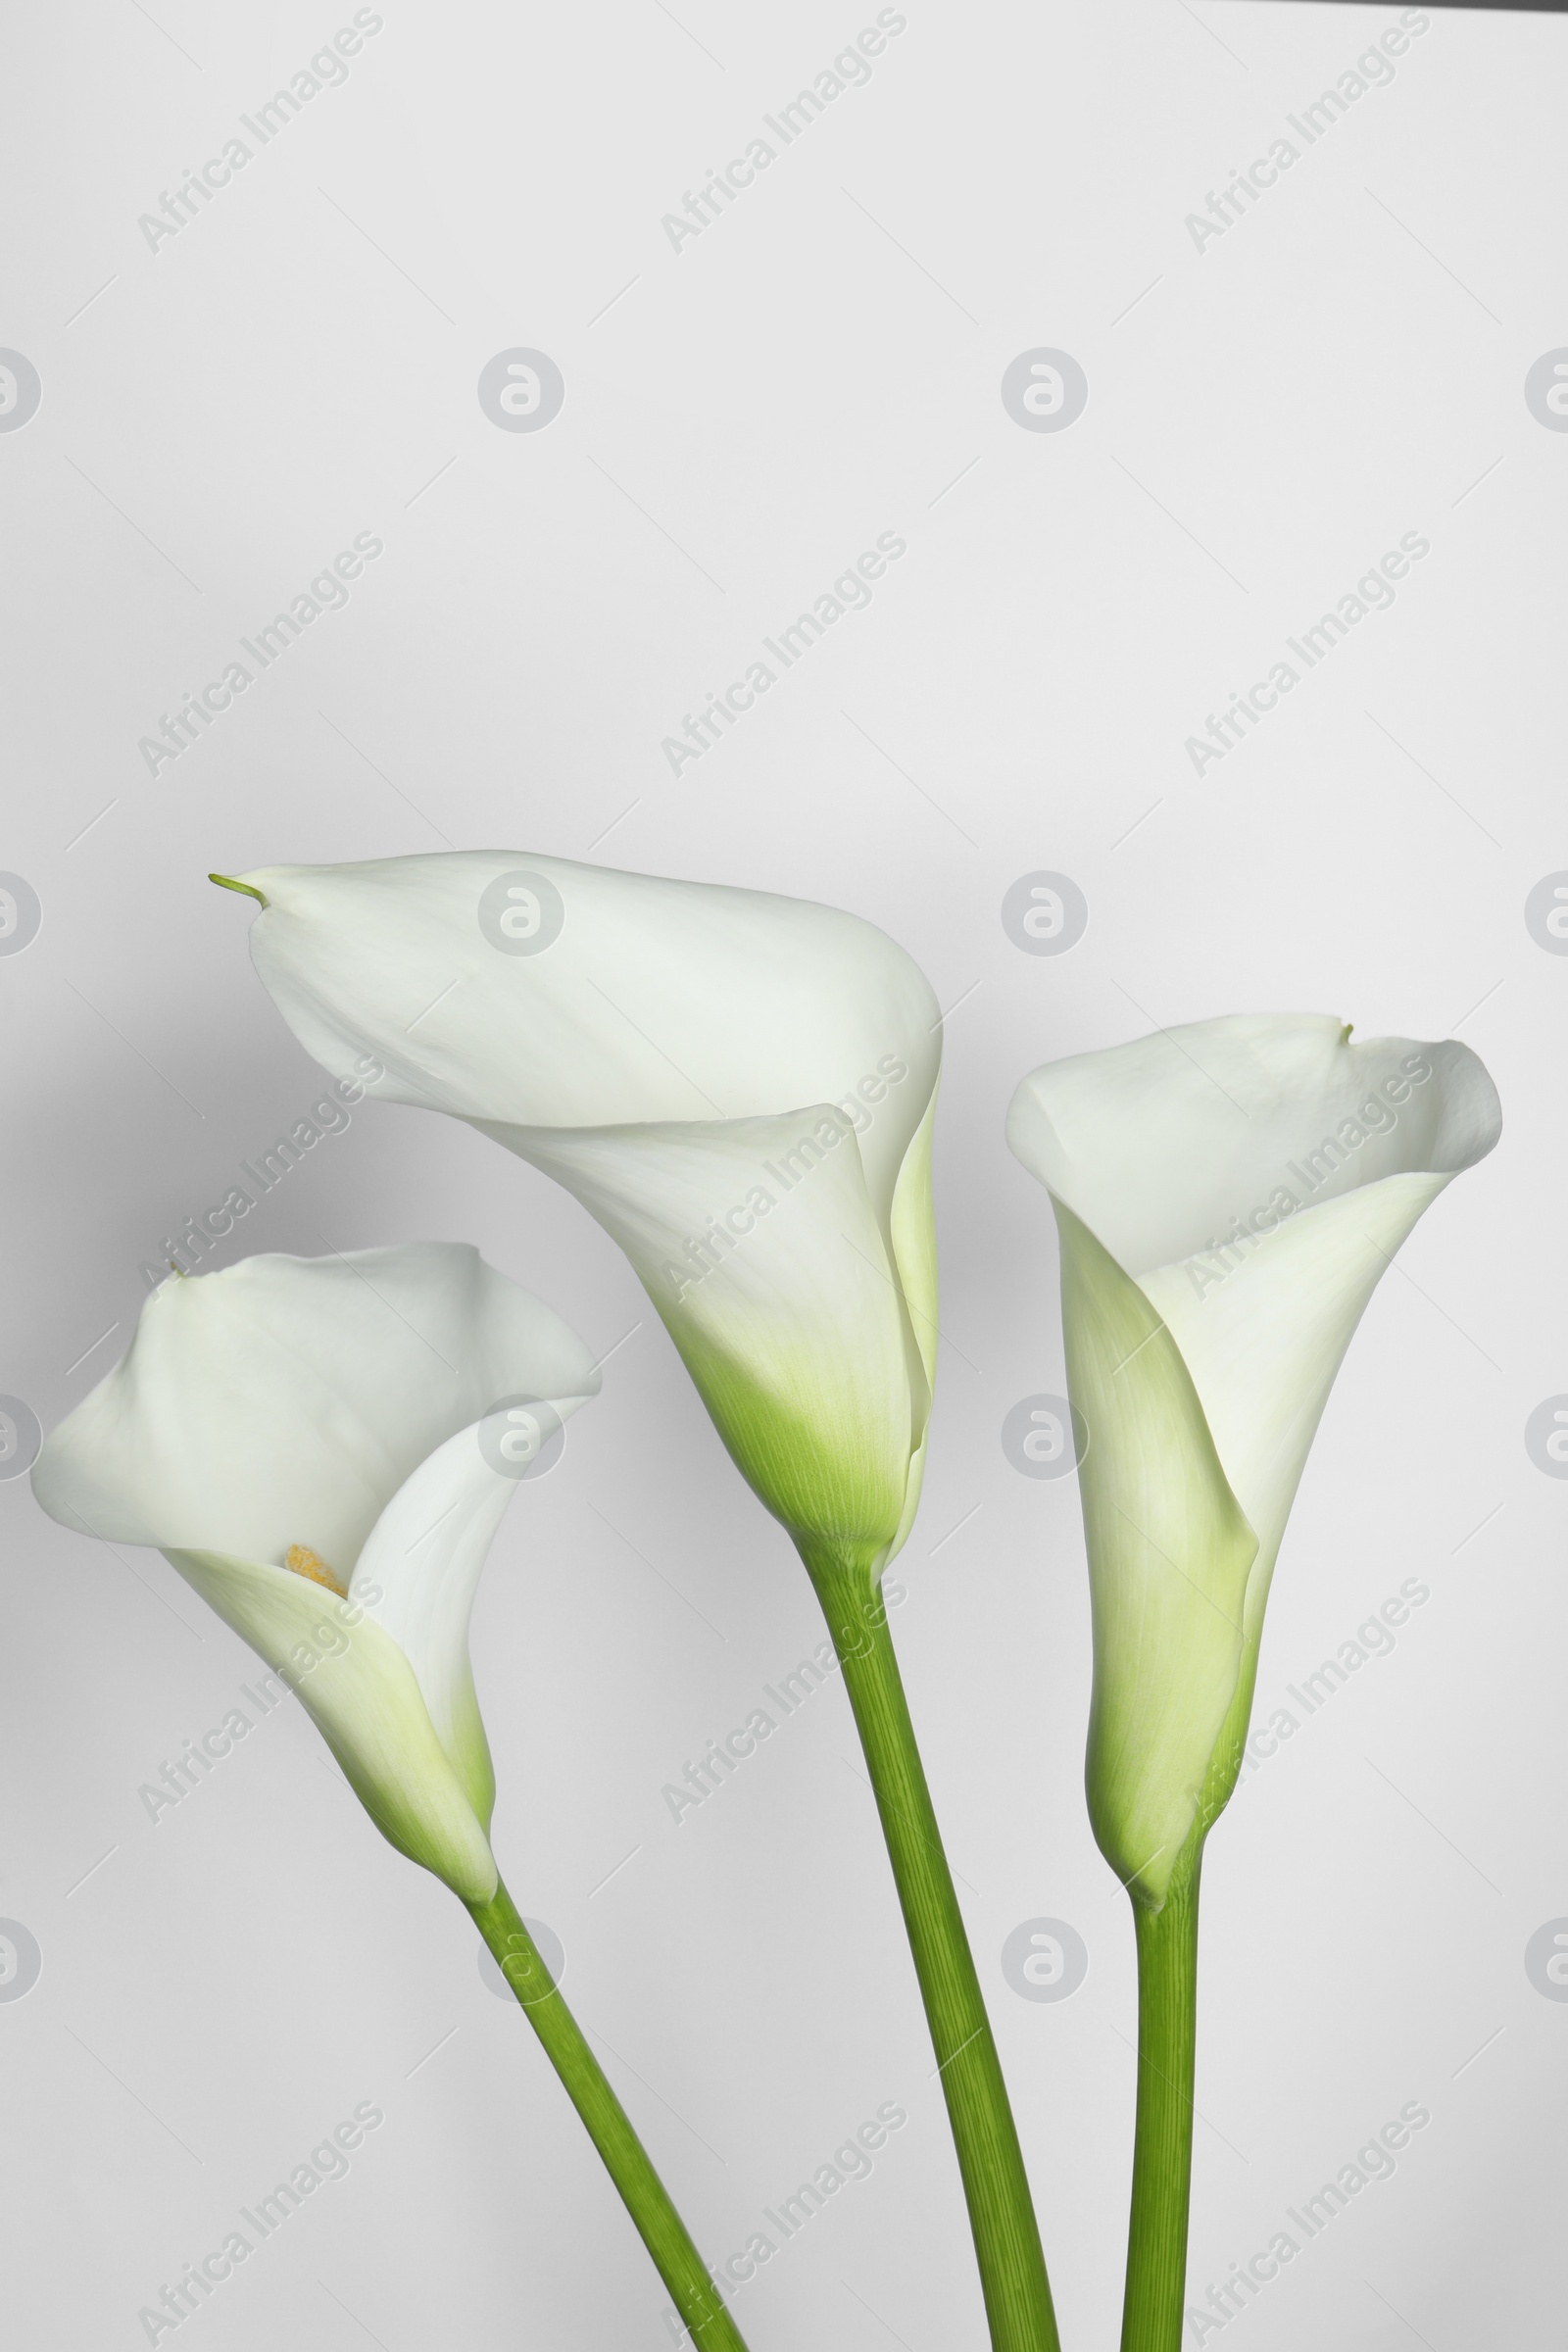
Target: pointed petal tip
<point>246,889</point>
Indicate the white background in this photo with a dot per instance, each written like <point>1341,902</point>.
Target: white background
<point>1344,366</point>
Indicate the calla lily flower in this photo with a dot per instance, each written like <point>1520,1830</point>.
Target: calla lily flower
<point>1227,1197</point>
<point>324,1447</point>
<point>738,1087</point>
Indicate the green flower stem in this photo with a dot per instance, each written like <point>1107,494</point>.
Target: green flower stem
<point>626,2160</point>
<point>995,2186</point>
<point>1162,2147</point>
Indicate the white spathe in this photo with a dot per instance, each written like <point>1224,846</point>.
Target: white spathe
<point>338,1405</point>
<point>739,1087</point>
<point>1228,1195</point>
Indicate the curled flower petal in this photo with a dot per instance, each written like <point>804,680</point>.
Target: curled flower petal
<point>737,1085</point>
<point>305,1439</point>
<point>1250,1178</point>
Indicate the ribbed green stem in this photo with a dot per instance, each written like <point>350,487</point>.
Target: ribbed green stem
<point>626,2160</point>
<point>995,2186</point>
<point>1162,2148</point>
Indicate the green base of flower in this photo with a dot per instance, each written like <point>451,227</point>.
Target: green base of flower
<point>626,2160</point>
<point>995,2186</point>
<point>1162,2152</point>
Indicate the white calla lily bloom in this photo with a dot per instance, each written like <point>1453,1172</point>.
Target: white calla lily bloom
<point>1227,1197</point>
<point>324,1447</point>
<point>738,1087</point>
